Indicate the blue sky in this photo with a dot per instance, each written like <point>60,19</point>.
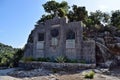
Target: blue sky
<point>18,17</point>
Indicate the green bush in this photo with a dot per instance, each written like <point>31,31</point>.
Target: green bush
<point>4,61</point>
<point>9,56</point>
<point>90,75</point>
<point>43,59</point>
<point>82,61</point>
<point>71,61</point>
<point>17,57</point>
<point>60,59</point>
<point>28,59</point>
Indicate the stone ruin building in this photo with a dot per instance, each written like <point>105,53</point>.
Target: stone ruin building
<point>59,37</point>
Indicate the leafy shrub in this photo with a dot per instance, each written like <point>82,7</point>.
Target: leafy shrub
<point>60,59</point>
<point>17,57</point>
<point>43,59</point>
<point>71,61</point>
<point>4,60</point>
<point>90,75</point>
<point>82,61</point>
<point>28,59</point>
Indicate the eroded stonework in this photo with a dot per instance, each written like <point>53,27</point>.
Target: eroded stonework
<point>56,37</point>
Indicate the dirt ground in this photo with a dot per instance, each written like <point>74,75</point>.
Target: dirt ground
<point>42,74</point>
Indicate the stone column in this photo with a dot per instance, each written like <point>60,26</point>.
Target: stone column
<point>47,40</point>
<point>79,40</point>
<point>62,40</point>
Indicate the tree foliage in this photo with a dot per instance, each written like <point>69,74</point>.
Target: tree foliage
<point>45,17</point>
<point>9,56</point>
<point>77,13</point>
<point>99,17</point>
<point>53,6</point>
<point>115,18</point>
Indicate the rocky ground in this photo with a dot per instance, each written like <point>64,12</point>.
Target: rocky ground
<point>43,74</point>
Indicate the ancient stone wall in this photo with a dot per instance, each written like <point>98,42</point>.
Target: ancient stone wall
<point>56,37</point>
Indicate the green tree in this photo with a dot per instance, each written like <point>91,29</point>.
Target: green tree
<point>115,19</point>
<point>17,56</point>
<point>9,56</point>
<point>51,7</point>
<point>45,17</point>
<point>99,17</point>
<point>78,13</point>
<point>95,22</point>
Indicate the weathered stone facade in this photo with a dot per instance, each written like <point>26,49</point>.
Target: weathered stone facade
<point>57,37</point>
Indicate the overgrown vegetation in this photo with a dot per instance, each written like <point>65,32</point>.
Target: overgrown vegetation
<point>59,59</point>
<point>28,59</point>
<point>95,22</point>
<point>44,59</point>
<point>9,56</point>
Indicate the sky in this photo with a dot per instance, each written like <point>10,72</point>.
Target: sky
<point>18,17</point>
